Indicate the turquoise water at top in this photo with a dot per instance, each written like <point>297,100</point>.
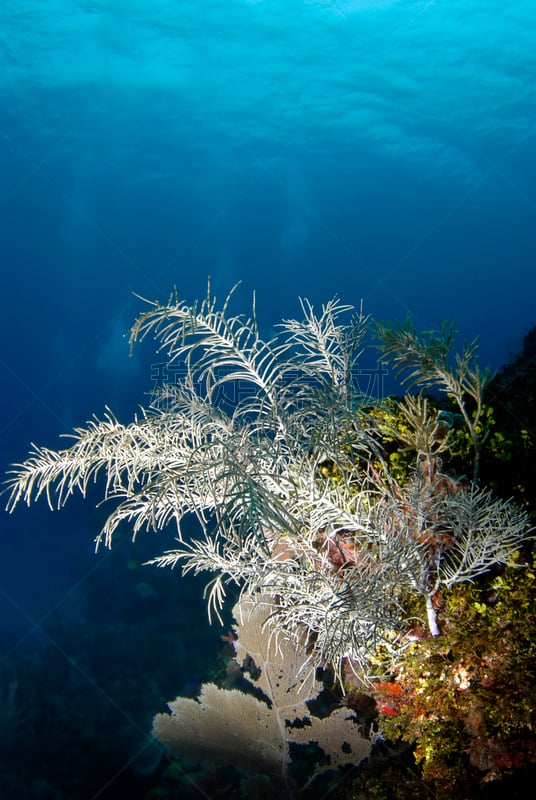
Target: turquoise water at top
<point>380,150</point>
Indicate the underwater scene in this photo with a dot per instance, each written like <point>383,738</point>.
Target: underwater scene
<point>268,363</point>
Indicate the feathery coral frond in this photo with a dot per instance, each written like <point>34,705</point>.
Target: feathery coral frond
<point>289,483</point>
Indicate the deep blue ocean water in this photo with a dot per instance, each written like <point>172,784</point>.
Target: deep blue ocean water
<point>380,150</point>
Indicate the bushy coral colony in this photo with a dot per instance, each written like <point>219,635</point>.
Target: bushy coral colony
<point>342,516</point>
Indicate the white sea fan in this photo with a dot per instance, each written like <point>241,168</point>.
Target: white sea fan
<point>288,483</point>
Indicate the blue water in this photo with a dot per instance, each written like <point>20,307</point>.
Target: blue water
<point>374,149</point>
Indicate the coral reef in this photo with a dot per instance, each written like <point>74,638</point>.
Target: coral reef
<point>345,516</point>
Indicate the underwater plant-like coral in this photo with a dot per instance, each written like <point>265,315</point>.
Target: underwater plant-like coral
<point>429,360</point>
<point>255,734</point>
<point>289,484</point>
